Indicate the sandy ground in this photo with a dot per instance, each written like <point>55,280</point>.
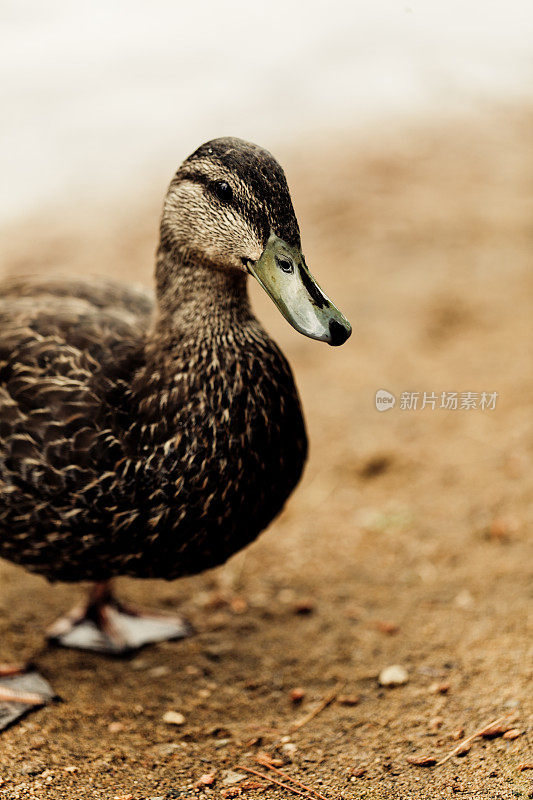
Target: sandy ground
<point>406,542</point>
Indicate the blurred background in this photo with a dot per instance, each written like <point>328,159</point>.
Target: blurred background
<point>405,132</point>
<point>107,96</point>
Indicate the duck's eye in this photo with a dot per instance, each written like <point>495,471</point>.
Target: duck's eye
<point>223,191</point>
<point>284,264</point>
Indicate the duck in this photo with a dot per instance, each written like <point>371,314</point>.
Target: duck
<point>155,433</point>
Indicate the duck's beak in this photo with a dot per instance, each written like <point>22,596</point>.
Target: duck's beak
<point>282,273</point>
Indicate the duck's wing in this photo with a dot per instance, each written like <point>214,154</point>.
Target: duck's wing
<point>68,352</point>
<point>94,316</point>
<point>95,291</point>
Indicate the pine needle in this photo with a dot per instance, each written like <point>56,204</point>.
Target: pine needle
<point>273,780</point>
<point>290,778</point>
<point>475,735</point>
<point>315,712</point>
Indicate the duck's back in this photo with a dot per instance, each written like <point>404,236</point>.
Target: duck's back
<point>68,351</point>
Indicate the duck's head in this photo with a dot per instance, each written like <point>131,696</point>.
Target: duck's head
<point>229,208</point>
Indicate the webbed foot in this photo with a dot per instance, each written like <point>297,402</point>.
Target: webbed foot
<point>106,625</point>
<point>21,690</point>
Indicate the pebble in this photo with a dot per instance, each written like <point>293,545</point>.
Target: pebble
<point>358,772</point>
<point>493,731</point>
<point>385,626</point>
<point>439,688</point>
<point>502,527</point>
<point>221,743</point>
<point>422,761</point>
<point>514,733</point>
<point>206,780</point>
<point>32,768</point>
<point>289,750</point>
<point>238,605</point>
<point>287,596</point>
<point>464,599</point>
<point>158,672</point>
<point>304,607</point>
<point>297,694</point>
<point>216,651</point>
<point>173,718</point>
<point>231,777</point>
<point>167,749</point>
<point>38,742</point>
<point>348,699</point>
<point>115,727</point>
<point>395,675</point>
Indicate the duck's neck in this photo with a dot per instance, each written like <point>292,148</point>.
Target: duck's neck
<point>196,300</point>
<point>204,350</point>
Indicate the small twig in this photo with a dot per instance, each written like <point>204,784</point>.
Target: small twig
<point>290,778</point>
<point>473,736</point>
<point>273,780</point>
<point>315,712</point>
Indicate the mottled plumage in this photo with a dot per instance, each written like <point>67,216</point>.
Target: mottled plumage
<point>146,435</point>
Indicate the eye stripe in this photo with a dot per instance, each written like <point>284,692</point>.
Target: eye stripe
<point>246,204</point>
<point>250,214</point>
<point>196,177</point>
